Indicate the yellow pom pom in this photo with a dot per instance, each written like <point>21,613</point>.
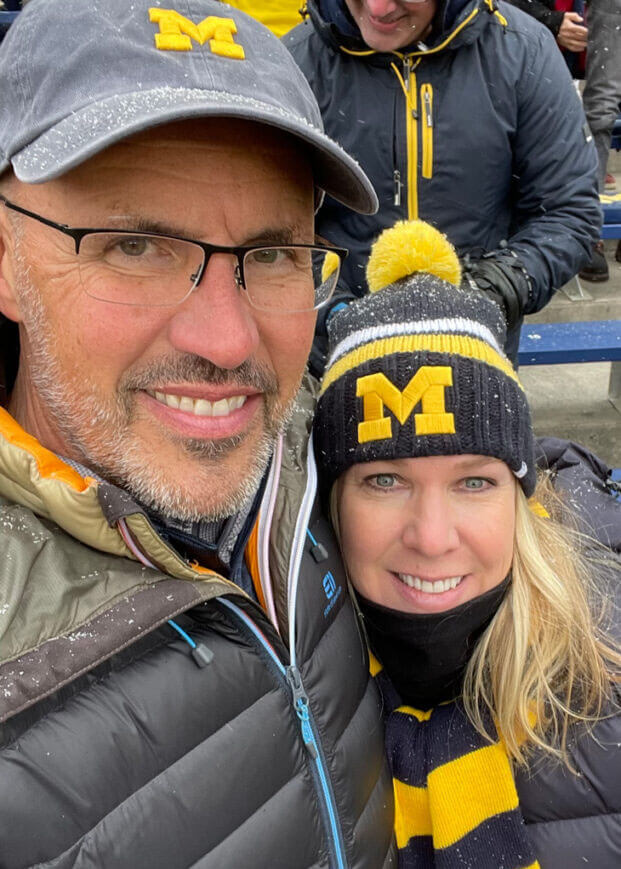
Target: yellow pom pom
<point>408,247</point>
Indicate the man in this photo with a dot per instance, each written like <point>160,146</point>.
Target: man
<point>462,114</point>
<point>182,679</point>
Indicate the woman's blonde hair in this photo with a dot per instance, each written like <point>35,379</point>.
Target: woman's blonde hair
<point>545,662</point>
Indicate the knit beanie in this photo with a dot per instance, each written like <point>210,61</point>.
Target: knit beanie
<point>416,367</point>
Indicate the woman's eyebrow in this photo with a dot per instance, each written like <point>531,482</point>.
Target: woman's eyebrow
<point>478,462</point>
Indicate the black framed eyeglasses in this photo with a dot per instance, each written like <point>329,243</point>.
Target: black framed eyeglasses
<point>153,269</point>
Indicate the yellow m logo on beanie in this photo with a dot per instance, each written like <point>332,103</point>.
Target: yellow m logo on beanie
<point>427,387</point>
<point>176,33</point>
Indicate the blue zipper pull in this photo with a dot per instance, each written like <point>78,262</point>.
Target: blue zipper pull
<point>318,550</point>
<point>300,704</point>
<point>199,651</point>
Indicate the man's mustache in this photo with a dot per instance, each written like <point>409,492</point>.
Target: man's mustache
<point>197,370</point>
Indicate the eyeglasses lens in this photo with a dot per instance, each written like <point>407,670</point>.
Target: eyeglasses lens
<point>290,278</point>
<point>138,269</point>
<point>150,270</point>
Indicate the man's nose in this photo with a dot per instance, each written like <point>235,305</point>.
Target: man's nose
<point>430,528</point>
<point>216,321</point>
<point>381,8</point>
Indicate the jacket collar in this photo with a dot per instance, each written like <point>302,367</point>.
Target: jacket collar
<point>96,513</point>
<point>456,23</point>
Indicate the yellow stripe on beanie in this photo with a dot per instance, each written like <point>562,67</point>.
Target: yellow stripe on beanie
<point>460,345</point>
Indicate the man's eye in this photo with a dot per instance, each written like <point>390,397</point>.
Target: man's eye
<point>133,246</point>
<point>267,256</point>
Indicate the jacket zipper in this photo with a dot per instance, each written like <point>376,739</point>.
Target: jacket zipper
<point>299,695</point>
<point>396,177</point>
<point>426,94</point>
<point>409,79</point>
<point>290,677</point>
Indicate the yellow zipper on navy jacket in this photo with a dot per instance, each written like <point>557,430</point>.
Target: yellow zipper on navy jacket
<point>411,118</point>
<point>426,100</point>
<point>408,84</point>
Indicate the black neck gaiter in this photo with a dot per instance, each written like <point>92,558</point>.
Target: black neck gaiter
<point>426,655</point>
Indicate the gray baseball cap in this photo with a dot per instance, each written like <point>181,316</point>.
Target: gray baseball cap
<point>76,76</point>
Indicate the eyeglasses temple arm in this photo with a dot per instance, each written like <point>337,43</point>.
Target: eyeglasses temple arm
<point>61,226</point>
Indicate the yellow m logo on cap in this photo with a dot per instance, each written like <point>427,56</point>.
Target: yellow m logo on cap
<point>176,33</point>
<point>427,386</point>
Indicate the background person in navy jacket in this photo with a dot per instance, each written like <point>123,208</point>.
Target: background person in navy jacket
<point>462,113</point>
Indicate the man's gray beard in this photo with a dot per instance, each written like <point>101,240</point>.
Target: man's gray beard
<point>98,435</point>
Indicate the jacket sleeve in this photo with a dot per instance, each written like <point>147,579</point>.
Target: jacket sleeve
<point>557,214</point>
<point>544,13</point>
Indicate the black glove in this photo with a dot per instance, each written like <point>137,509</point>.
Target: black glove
<point>502,277</point>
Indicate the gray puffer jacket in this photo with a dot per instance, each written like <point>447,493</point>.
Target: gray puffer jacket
<point>480,132</point>
<point>574,820</point>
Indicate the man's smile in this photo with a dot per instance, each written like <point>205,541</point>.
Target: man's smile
<point>200,406</point>
<point>202,417</point>
<point>387,24</point>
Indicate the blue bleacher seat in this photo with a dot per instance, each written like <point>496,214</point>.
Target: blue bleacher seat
<point>553,343</point>
<point>616,135</point>
<point>611,210</point>
<point>7,17</point>
<point>8,14</point>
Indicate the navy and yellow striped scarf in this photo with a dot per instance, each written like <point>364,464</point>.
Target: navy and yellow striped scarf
<point>455,799</point>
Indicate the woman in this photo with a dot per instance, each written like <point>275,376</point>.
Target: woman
<point>498,677</point>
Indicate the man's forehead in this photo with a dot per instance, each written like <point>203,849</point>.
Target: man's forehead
<point>214,154</point>
<point>192,179</point>
<point>214,131</point>
<point>203,139</point>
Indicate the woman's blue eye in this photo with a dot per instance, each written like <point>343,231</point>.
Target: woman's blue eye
<point>384,481</point>
<point>474,483</point>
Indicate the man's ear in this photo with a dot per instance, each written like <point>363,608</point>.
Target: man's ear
<point>8,299</point>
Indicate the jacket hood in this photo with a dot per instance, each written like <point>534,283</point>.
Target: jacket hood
<point>334,16</point>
